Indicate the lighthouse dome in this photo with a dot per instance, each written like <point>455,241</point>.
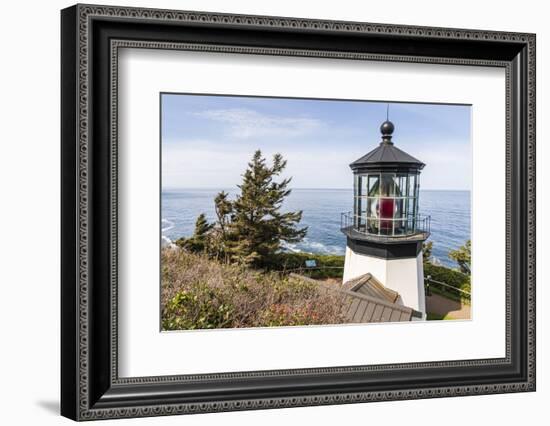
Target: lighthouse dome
<point>387,157</point>
<point>387,128</point>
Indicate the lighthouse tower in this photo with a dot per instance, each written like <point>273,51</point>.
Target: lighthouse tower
<point>385,231</point>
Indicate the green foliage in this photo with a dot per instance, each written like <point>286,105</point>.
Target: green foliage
<point>463,256</point>
<point>328,265</point>
<point>199,307</point>
<point>457,279</point>
<point>448,276</point>
<point>257,225</point>
<point>436,317</point>
<point>199,242</point>
<point>224,209</point>
<point>252,227</point>
<point>201,227</point>
<point>199,292</point>
<point>427,248</point>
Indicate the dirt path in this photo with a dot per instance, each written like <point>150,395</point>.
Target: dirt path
<point>440,305</point>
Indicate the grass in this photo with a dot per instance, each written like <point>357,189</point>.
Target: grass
<point>448,294</point>
<point>201,293</point>
<point>328,265</point>
<point>435,317</point>
<point>451,277</point>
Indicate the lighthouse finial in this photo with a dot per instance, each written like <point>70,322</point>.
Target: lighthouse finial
<point>387,128</point>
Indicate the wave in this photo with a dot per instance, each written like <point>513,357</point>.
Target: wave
<point>308,246</point>
<point>169,223</point>
<point>164,240</point>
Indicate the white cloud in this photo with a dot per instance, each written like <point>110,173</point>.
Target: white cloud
<point>205,164</point>
<point>201,164</point>
<point>246,123</point>
<point>448,166</point>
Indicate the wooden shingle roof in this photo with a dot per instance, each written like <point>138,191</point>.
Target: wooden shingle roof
<point>370,286</point>
<point>361,308</point>
<point>367,300</point>
<point>370,301</point>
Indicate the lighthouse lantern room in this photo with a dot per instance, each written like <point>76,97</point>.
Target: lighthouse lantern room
<point>385,231</point>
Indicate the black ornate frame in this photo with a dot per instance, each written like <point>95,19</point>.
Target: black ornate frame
<point>91,37</point>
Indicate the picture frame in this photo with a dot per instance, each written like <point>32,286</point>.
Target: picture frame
<point>90,384</point>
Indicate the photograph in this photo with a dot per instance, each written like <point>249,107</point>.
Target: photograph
<point>280,212</point>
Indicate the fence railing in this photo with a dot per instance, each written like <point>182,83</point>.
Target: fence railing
<point>386,227</point>
<point>316,268</point>
<point>440,287</point>
<point>317,271</point>
<point>447,289</point>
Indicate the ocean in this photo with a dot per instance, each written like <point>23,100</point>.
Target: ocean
<point>449,211</point>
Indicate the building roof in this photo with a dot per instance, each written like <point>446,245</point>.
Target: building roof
<point>364,309</point>
<point>387,155</point>
<point>370,286</point>
<point>370,301</point>
<point>367,300</point>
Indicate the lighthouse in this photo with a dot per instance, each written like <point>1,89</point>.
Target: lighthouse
<point>385,231</point>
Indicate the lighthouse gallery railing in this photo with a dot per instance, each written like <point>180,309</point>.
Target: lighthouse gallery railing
<point>386,227</point>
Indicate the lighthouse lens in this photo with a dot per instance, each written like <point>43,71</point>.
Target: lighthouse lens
<point>387,185</point>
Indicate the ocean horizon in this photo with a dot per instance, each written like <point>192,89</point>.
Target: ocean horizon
<point>450,213</point>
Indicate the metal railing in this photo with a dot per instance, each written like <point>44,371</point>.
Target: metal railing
<point>315,268</point>
<point>386,227</point>
<point>446,288</point>
<point>316,272</point>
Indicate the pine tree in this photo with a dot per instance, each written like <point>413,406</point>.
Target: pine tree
<point>463,256</point>
<point>202,227</point>
<point>199,241</point>
<point>427,248</point>
<point>224,208</point>
<point>256,226</point>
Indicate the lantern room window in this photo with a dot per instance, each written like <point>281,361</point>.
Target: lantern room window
<point>386,203</point>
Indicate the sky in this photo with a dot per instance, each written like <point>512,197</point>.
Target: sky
<point>207,141</point>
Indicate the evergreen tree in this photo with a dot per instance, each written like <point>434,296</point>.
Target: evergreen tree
<point>199,241</point>
<point>224,208</point>
<point>253,224</point>
<point>463,256</point>
<point>427,248</point>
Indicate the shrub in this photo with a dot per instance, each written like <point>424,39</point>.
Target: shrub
<point>427,248</point>
<point>328,265</point>
<point>463,256</point>
<point>199,292</point>
<point>299,314</point>
<point>197,308</point>
<point>448,276</point>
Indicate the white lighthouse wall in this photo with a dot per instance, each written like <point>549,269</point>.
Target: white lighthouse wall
<point>356,265</point>
<point>406,276</point>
